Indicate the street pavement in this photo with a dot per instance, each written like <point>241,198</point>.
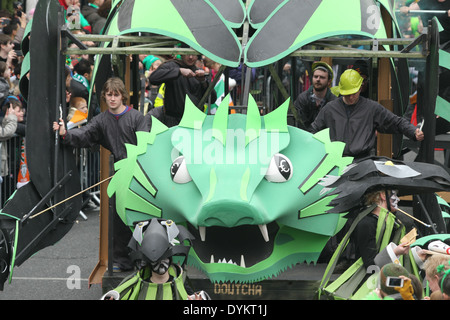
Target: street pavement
<point>61,271</point>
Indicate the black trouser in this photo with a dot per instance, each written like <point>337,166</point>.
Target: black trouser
<point>121,235</point>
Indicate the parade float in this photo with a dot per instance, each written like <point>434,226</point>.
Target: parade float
<point>247,185</point>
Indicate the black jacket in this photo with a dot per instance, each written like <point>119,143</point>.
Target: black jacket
<point>110,131</point>
<point>177,87</point>
<point>307,108</point>
<point>364,238</point>
<point>356,124</point>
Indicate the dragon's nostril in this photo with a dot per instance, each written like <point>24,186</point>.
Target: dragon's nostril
<point>228,221</point>
<point>228,214</point>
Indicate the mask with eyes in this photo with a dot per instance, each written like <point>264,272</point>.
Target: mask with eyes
<point>155,242</point>
<point>161,267</point>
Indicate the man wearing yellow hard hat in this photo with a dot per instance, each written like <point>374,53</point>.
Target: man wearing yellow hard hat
<point>354,119</point>
<point>309,102</point>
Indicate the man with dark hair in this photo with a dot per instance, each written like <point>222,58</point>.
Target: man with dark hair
<point>309,102</point>
<point>80,83</point>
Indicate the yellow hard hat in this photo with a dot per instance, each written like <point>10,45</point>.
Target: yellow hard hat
<point>335,90</point>
<point>323,66</point>
<point>350,82</point>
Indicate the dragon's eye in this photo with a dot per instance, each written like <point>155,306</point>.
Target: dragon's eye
<point>280,169</point>
<point>179,172</point>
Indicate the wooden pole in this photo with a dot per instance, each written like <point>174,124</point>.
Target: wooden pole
<point>99,270</point>
<point>67,199</point>
<point>384,141</point>
<point>414,218</point>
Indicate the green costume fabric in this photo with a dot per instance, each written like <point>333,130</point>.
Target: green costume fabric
<point>139,287</point>
<point>353,283</point>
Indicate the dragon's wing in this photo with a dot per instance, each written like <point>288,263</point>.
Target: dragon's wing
<point>53,172</point>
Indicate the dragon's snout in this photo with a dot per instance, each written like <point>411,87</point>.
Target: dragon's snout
<point>229,214</point>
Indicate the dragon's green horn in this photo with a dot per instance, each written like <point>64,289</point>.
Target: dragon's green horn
<point>157,128</point>
<point>193,117</point>
<point>220,122</point>
<point>277,119</point>
<point>253,126</point>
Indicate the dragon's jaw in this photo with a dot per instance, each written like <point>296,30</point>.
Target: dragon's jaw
<point>243,246</point>
<point>241,254</point>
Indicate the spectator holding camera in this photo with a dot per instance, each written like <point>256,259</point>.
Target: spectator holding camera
<point>395,283</point>
<point>14,25</point>
<point>7,54</point>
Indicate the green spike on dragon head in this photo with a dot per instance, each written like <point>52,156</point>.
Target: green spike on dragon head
<point>245,185</point>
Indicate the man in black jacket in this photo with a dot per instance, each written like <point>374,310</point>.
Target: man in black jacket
<point>181,78</point>
<point>309,102</point>
<point>355,120</point>
<point>112,129</point>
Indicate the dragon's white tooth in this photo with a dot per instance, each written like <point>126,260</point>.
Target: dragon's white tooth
<point>230,261</point>
<point>202,231</point>
<point>264,232</point>
<point>242,261</point>
<point>212,259</point>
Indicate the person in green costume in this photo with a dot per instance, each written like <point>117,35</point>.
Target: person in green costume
<point>154,245</point>
<point>364,234</point>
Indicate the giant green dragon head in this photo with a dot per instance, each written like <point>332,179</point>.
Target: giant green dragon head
<point>246,186</point>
